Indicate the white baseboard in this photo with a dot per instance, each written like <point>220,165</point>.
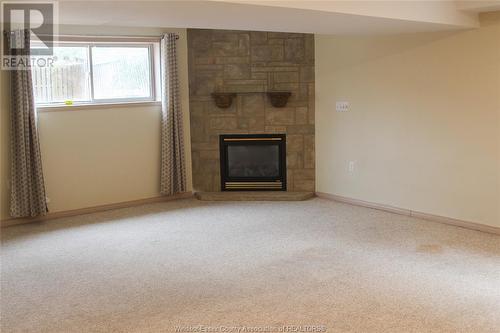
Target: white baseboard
<point>351,201</point>
<point>95,209</point>
<point>408,212</point>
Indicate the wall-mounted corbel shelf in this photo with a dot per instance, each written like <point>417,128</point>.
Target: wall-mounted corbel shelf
<point>223,100</point>
<point>278,99</point>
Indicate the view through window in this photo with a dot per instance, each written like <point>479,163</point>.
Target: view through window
<point>95,73</point>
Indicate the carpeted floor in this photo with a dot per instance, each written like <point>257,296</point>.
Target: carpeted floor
<point>248,266</point>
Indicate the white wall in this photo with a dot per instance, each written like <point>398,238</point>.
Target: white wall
<point>424,124</point>
<point>100,155</point>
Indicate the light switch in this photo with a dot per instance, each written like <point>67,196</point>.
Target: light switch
<point>342,106</point>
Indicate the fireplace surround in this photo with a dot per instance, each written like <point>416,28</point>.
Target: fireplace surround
<point>250,64</point>
<point>253,162</point>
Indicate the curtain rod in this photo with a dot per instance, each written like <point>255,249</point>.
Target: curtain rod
<point>102,36</point>
<point>119,36</point>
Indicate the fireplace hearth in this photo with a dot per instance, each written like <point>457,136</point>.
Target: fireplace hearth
<point>253,162</point>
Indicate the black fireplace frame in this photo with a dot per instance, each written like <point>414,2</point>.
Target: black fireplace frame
<point>252,183</point>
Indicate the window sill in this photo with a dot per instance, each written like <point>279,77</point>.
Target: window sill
<point>94,106</point>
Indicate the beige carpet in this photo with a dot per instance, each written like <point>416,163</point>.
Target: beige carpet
<point>247,267</point>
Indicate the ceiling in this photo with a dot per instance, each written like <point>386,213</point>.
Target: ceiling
<point>324,17</point>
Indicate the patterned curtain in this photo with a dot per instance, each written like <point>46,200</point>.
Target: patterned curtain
<point>173,165</point>
<point>27,196</point>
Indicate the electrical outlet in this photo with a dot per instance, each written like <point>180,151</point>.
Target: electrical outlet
<point>351,167</point>
<point>342,106</point>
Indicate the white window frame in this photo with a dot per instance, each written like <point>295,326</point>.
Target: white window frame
<point>153,45</point>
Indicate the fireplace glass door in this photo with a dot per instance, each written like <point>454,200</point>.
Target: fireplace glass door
<point>253,162</point>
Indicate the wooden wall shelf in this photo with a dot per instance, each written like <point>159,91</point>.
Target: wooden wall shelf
<point>278,99</point>
<point>223,100</point>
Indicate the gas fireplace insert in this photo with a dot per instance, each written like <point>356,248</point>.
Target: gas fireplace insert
<point>251,162</point>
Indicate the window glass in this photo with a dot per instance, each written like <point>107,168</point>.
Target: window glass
<point>121,72</point>
<point>66,79</point>
<point>92,73</point>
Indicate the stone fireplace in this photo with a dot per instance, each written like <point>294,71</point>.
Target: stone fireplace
<point>248,65</point>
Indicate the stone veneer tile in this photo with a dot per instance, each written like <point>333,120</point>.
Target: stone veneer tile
<point>266,69</point>
<point>244,82</point>
<point>305,174</point>
<point>209,154</point>
<point>198,129</point>
<point>223,123</point>
<point>295,143</point>
<point>295,50</point>
<point>280,116</point>
<point>303,185</point>
<point>245,88</point>
<point>253,105</point>
<point>300,129</point>
<point>289,178</point>
<point>259,76</point>
<point>294,160</point>
<point>285,35</point>
<point>307,74</point>
<point>276,41</point>
<point>267,53</point>
<point>309,152</point>
<point>244,44</point>
<point>287,86</point>
<point>258,37</point>
<point>309,49</point>
<point>237,71</point>
<point>224,36</point>
<point>251,63</point>
<point>205,61</point>
<point>225,49</point>
<point>281,77</point>
<point>311,103</point>
<point>251,124</point>
<point>275,129</point>
<point>301,115</point>
<point>232,60</point>
<point>200,146</point>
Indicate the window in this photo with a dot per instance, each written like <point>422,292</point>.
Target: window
<point>92,73</point>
